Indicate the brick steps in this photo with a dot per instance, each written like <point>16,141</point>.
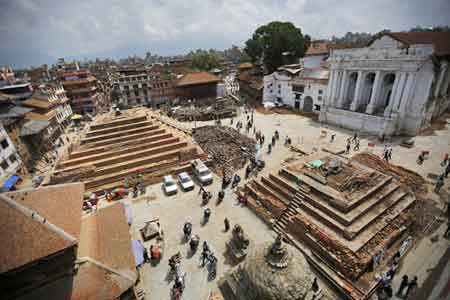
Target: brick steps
<point>129,156</point>
<point>119,122</point>
<point>106,148</point>
<point>115,153</point>
<point>283,194</point>
<point>89,140</point>
<point>267,189</point>
<point>352,231</point>
<point>104,131</point>
<point>128,138</point>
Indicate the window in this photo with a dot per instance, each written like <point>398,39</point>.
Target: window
<point>279,91</point>
<point>4,165</point>
<point>279,86</point>
<point>138,101</point>
<point>319,98</point>
<point>320,92</point>
<point>298,88</point>
<point>297,96</point>
<point>271,91</point>
<point>316,107</point>
<point>136,93</point>
<point>4,144</point>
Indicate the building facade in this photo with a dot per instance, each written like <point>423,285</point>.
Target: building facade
<point>297,87</point>
<point>81,89</point>
<point>395,85</point>
<point>133,86</point>
<point>10,161</point>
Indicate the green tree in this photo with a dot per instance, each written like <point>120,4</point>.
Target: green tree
<point>277,44</point>
<point>204,60</point>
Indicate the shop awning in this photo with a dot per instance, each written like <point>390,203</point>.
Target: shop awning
<point>10,182</point>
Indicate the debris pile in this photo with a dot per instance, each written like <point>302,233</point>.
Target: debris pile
<point>405,176</point>
<point>228,149</point>
<point>221,108</point>
<point>79,174</point>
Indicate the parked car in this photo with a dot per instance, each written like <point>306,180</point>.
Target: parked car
<point>185,181</point>
<point>169,185</point>
<point>202,172</point>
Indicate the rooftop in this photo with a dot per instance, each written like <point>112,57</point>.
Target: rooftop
<point>37,103</point>
<point>440,40</point>
<point>198,78</point>
<point>51,214</point>
<point>317,48</point>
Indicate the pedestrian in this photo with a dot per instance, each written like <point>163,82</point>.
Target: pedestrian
<point>205,253</point>
<point>403,285</point>
<point>412,285</point>
<point>447,170</point>
<point>263,138</point>
<point>333,136</point>
<point>347,150</point>
<point>356,147</point>
<point>315,286</point>
<point>389,153</point>
<point>273,140</point>
<point>386,155</point>
<point>439,183</point>
<point>445,160</point>
<point>145,254</point>
<point>447,232</point>
<point>227,224</point>
<point>355,136</point>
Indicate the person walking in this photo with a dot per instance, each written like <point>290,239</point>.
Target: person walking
<point>439,183</point>
<point>412,285</point>
<point>227,224</point>
<point>403,285</point>
<point>347,150</point>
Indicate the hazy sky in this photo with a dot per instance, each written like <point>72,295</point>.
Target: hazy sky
<point>38,31</point>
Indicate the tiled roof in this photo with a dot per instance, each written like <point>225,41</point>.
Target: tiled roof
<point>440,40</point>
<point>37,103</point>
<point>197,78</point>
<point>105,241</point>
<point>318,48</point>
<point>26,238</point>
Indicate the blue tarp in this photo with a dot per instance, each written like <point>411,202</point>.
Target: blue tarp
<point>11,182</point>
<point>138,251</point>
<point>128,213</point>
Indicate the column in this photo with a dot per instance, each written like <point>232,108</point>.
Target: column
<point>399,84</point>
<point>336,87</point>
<point>342,91</point>
<point>440,79</point>
<point>358,88</point>
<point>407,93</point>
<point>331,79</point>
<point>375,92</point>
<point>445,82</point>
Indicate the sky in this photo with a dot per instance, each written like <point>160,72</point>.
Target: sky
<point>34,32</point>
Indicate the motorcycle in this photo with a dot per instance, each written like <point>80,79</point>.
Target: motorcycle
<point>236,180</point>
<point>206,196</point>
<point>187,230</point>
<point>220,196</point>
<point>193,244</point>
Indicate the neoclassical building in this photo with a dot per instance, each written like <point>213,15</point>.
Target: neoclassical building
<point>395,85</point>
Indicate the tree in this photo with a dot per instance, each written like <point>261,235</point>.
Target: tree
<point>204,60</point>
<point>276,44</point>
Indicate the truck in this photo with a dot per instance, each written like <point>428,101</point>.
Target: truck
<point>201,172</point>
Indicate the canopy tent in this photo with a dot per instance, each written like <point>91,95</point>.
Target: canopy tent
<point>10,182</point>
<point>138,251</point>
<point>77,117</point>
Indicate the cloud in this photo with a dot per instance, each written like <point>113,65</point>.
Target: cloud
<point>39,31</point>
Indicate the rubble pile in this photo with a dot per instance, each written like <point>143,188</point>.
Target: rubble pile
<point>227,148</point>
<point>75,175</point>
<point>221,108</point>
<point>406,177</point>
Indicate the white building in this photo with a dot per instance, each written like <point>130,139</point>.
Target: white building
<point>297,87</point>
<point>134,86</point>
<point>395,85</point>
<point>10,161</point>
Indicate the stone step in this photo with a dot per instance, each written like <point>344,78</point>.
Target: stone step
<point>352,231</point>
<point>127,138</point>
<point>102,149</point>
<point>128,157</point>
<point>94,139</point>
<point>118,122</point>
<point>285,195</point>
<point>104,131</point>
<point>269,190</point>
<point>114,153</point>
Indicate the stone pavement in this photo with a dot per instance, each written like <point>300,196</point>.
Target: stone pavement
<point>173,212</point>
